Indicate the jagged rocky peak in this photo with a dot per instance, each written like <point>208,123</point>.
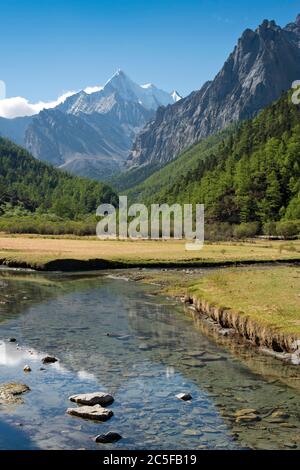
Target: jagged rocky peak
<point>294,25</point>
<point>268,24</point>
<point>263,64</point>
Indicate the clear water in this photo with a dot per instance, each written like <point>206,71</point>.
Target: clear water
<point>116,336</point>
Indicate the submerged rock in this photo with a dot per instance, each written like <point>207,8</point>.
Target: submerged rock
<point>193,363</point>
<point>96,412</point>
<point>246,415</point>
<point>194,353</point>
<point>49,360</point>
<point>213,357</point>
<point>250,418</point>
<point>280,414</point>
<point>245,411</point>
<point>192,432</point>
<point>184,396</point>
<point>108,438</point>
<point>290,445</point>
<point>90,399</point>
<point>11,393</point>
<point>288,425</point>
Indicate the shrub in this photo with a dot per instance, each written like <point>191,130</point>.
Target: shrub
<point>40,224</point>
<point>218,232</point>
<point>288,228</point>
<point>269,228</point>
<point>246,230</point>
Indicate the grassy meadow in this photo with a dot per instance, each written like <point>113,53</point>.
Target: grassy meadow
<point>36,251</point>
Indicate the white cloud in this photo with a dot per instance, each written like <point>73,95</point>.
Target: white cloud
<point>18,106</point>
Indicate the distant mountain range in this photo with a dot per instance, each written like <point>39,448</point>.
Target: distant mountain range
<point>264,64</point>
<point>90,134</point>
<point>141,128</point>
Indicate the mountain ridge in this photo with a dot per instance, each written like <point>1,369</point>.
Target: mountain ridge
<point>90,134</point>
<point>263,64</point>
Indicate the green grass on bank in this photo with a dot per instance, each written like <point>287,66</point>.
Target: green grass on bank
<point>271,297</point>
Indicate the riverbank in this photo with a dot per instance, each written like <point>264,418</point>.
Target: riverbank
<point>261,305</point>
<point>46,253</point>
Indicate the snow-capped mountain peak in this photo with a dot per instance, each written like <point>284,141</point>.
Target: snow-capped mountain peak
<point>119,86</point>
<point>176,96</point>
<point>148,85</point>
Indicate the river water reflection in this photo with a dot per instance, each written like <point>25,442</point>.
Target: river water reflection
<point>116,336</point>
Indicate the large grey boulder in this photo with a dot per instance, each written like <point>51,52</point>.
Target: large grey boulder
<point>96,412</point>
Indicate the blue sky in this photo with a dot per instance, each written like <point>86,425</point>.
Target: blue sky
<point>50,47</point>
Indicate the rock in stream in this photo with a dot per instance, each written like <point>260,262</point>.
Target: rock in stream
<point>96,412</point>
<point>91,399</point>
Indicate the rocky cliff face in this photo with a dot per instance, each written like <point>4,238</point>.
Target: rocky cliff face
<point>264,63</point>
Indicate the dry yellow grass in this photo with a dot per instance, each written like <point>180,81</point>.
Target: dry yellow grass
<point>39,250</point>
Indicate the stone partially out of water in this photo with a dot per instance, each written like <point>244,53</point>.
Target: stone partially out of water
<point>49,360</point>
<point>90,399</point>
<point>27,368</point>
<point>108,438</point>
<point>96,412</point>
<point>11,393</point>
<point>184,396</point>
<point>12,340</point>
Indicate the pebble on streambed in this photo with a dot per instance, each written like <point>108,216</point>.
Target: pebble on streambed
<point>184,396</point>
<point>108,438</point>
<point>49,360</point>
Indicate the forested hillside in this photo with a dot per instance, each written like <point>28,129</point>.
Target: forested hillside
<point>251,174</point>
<point>34,186</point>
